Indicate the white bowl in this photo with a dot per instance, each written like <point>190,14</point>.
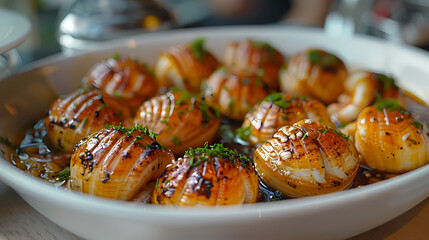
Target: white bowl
<point>25,97</point>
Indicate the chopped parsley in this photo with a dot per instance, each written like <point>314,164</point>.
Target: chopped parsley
<point>197,48</point>
<point>389,103</point>
<point>387,81</point>
<point>177,141</point>
<point>143,130</point>
<point>417,124</point>
<point>244,132</point>
<point>277,99</point>
<point>116,57</point>
<point>305,136</point>
<point>207,152</point>
<point>85,121</point>
<point>64,175</point>
<point>265,45</point>
<point>322,59</point>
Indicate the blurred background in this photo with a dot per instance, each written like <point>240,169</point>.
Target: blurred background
<point>78,24</point>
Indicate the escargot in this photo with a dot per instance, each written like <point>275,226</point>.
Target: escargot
<point>307,158</point>
<point>234,95</point>
<point>361,89</point>
<point>185,66</point>
<point>390,139</point>
<point>117,162</point>
<point>278,110</point>
<point>254,57</point>
<point>209,176</point>
<point>80,113</point>
<point>180,119</point>
<point>130,81</point>
<point>315,73</point>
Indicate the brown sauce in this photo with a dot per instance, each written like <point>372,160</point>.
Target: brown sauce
<point>37,158</point>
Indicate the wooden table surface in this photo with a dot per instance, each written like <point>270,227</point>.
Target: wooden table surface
<point>413,224</point>
<point>18,221</point>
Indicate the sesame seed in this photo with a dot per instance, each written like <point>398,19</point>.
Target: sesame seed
<point>372,119</point>
<point>279,163</point>
<point>299,134</point>
<point>308,121</point>
<point>292,136</point>
<point>291,129</point>
<point>277,135</point>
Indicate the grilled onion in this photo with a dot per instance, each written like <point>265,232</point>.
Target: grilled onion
<point>307,159</point>
<point>181,120</point>
<point>185,66</point>
<point>209,176</point>
<point>278,110</point>
<point>233,94</point>
<point>127,80</point>
<point>390,139</point>
<point>315,73</point>
<point>117,162</point>
<point>80,113</point>
<point>252,57</point>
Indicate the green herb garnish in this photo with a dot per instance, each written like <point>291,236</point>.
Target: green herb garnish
<point>143,130</point>
<point>64,175</point>
<point>197,48</point>
<point>417,124</point>
<point>116,57</point>
<point>390,104</point>
<point>277,99</point>
<point>322,59</point>
<point>207,153</point>
<point>244,132</point>
<point>177,141</point>
<point>388,82</point>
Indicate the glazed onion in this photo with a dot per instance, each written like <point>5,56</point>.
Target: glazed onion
<point>127,80</point>
<point>80,113</point>
<point>209,176</point>
<point>307,159</point>
<point>232,94</point>
<point>117,162</point>
<point>315,73</point>
<point>278,110</point>
<point>181,120</point>
<point>185,66</point>
<point>390,139</point>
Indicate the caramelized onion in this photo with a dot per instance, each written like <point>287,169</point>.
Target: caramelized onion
<point>209,176</point>
<point>117,163</point>
<point>307,159</point>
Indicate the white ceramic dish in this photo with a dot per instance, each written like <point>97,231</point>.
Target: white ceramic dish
<point>26,96</point>
<point>14,28</point>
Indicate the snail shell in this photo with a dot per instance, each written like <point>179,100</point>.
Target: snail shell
<point>79,114</point>
<point>117,164</point>
<point>232,94</point>
<point>391,140</point>
<point>185,66</point>
<point>307,159</point>
<point>278,110</point>
<point>214,181</point>
<point>127,80</point>
<point>315,73</point>
<point>253,57</point>
<point>180,119</point>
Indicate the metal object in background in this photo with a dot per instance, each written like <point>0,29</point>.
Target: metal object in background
<point>405,21</point>
<point>86,23</point>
